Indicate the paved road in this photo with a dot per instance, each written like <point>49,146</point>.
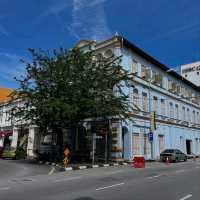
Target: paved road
<point>12,169</point>
<point>179,181</point>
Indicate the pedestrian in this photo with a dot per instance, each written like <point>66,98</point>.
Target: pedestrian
<point>67,154</point>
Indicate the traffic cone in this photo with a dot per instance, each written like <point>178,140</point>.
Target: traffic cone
<point>167,161</point>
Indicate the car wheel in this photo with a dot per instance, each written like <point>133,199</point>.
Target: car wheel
<point>185,159</point>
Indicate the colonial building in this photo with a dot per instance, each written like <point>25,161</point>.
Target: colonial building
<point>157,89</point>
<point>160,97</point>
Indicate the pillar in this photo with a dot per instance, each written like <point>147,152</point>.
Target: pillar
<point>32,142</point>
<point>116,143</point>
<point>15,137</point>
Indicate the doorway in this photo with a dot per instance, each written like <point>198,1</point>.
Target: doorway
<point>188,147</point>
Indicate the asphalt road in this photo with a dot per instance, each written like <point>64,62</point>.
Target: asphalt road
<point>180,181</point>
<point>12,169</point>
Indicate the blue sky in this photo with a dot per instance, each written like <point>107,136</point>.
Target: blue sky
<point>167,29</point>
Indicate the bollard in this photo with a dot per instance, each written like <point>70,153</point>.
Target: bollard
<point>138,162</point>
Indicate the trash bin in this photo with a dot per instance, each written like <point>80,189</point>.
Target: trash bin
<point>138,161</point>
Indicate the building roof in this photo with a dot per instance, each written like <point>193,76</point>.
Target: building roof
<point>4,94</point>
<point>152,60</point>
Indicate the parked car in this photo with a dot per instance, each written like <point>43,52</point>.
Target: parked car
<point>174,155</point>
<point>13,153</point>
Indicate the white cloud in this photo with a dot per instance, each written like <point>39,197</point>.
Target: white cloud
<point>56,8</point>
<point>89,20</point>
<point>10,66</point>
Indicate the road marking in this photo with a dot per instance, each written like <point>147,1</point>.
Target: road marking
<point>115,172</point>
<point>186,197</point>
<point>110,186</point>
<point>67,179</point>
<point>52,171</point>
<point>156,176</point>
<point>197,167</point>
<point>5,188</point>
<point>179,171</point>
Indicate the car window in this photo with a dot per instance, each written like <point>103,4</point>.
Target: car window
<point>168,151</point>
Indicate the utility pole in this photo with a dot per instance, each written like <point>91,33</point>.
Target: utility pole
<point>150,121</point>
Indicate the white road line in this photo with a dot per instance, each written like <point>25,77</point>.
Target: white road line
<point>179,171</point>
<point>151,177</point>
<point>67,179</point>
<point>52,171</point>
<point>186,197</point>
<point>5,188</point>
<point>111,186</point>
<point>115,172</point>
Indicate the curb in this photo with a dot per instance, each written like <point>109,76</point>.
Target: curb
<point>82,167</point>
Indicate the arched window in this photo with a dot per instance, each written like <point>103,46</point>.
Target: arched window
<point>136,98</point>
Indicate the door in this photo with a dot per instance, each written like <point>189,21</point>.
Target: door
<point>188,147</point>
<point>136,143</point>
<point>161,143</point>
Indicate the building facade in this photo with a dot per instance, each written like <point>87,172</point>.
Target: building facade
<point>155,90</point>
<point>191,72</point>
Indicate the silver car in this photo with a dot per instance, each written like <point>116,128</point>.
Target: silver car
<point>173,155</point>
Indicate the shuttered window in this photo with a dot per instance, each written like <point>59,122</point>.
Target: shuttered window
<point>136,143</point>
<point>161,143</point>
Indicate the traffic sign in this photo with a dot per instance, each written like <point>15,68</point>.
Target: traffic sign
<point>150,136</point>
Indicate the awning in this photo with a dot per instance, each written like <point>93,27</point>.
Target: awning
<point>6,133</point>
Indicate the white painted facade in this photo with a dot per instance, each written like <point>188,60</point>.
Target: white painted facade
<point>175,101</point>
<point>191,72</point>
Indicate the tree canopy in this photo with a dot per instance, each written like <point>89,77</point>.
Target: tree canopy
<point>65,87</point>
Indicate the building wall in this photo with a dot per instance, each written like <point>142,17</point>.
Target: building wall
<point>175,128</point>
<point>192,72</point>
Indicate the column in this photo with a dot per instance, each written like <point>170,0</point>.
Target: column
<point>15,137</point>
<point>32,141</point>
<point>116,143</point>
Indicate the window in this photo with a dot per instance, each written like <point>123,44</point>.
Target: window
<point>193,117</point>
<point>188,115</point>
<point>146,145</point>
<point>163,107</point>
<point>145,72</point>
<point>197,119</point>
<point>136,143</point>
<point>161,143</point>
<point>136,99</point>
<point>176,112</point>
<point>134,67</point>
<point>183,113</point>
<point>155,104</point>
<point>144,102</point>
<point>171,110</point>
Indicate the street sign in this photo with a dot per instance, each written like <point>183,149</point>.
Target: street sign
<point>150,136</point>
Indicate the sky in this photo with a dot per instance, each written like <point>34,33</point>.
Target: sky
<point>169,30</point>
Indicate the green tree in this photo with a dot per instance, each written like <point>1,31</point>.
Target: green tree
<point>62,88</point>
